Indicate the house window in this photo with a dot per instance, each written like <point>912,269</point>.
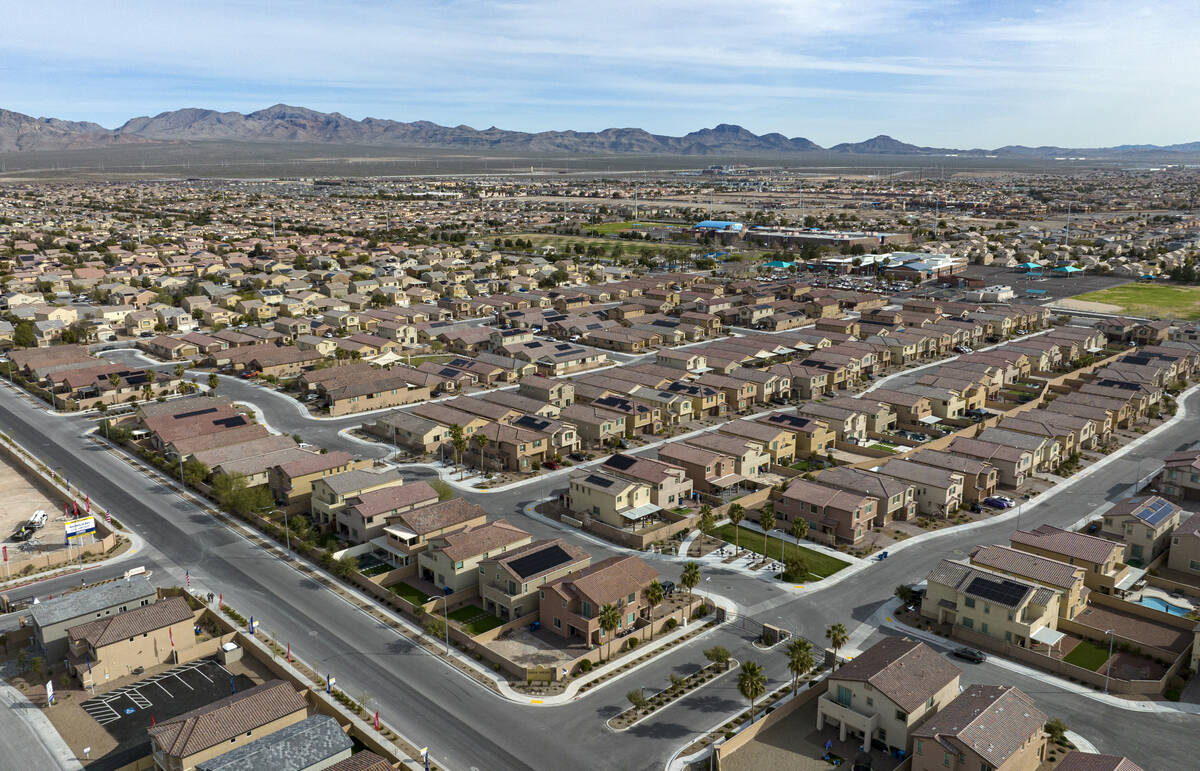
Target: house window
<point>557,623</point>
<point>969,623</point>
<point>901,716</point>
<point>870,702</point>
<point>969,602</point>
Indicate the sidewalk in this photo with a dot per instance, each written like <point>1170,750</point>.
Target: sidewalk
<point>44,749</point>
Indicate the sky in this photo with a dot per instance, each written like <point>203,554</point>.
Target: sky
<point>956,73</point>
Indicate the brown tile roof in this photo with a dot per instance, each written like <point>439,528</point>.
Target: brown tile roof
<point>1041,569</point>
<point>480,540</point>
<point>391,498</point>
<point>318,462</point>
<point>364,761</point>
<point>992,721</point>
<point>1049,538</point>
<point>142,619</point>
<point>568,554</point>
<point>208,726</point>
<point>229,436</point>
<point>1089,761</point>
<point>609,580</point>
<point>438,516</point>
<point>906,671</point>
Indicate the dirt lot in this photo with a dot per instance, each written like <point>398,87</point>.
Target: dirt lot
<point>22,497</point>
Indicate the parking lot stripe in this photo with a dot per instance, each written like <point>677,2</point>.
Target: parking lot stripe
<point>185,682</point>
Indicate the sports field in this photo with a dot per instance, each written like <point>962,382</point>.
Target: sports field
<point>1149,300</point>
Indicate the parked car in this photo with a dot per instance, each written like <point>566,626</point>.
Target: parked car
<point>970,654</point>
<point>996,502</point>
<point>1007,500</point>
<point>976,508</point>
<point>577,456</point>
<point>668,587</point>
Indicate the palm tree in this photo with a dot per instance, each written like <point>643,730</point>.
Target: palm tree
<point>752,683</point>
<point>481,441</point>
<point>767,520</point>
<point>654,595</point>
<point>837,636</point>
<point>179,370</point>
<point>736,515</point>
<point>800,659</point>
<point>610,619</point>
<point>458,442</point>
<point>800,528</point>
<point>115,380</point>
<point>690,577</point>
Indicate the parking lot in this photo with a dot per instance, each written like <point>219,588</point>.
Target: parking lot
<point>126,712</point>
<point>22,497</point>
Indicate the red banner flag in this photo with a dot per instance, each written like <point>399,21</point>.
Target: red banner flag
<point>376,720</point>
<point>76,504</point>
<point>88,500</point>
<point>66,510</point>
<point>221,601</point>
<point>171,636</point>
<point>5,549</point>
<point>108,517</point>
<point>152,721</point>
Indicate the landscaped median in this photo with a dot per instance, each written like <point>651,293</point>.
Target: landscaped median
<point>645,706</point>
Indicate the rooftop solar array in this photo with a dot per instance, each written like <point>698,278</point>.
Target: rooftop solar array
<point>1155,510</point>
<point>620,462</point>
<point>539,561</point>
<point>1000,591</point>
<point>599,481</point>
<point>194,413</point>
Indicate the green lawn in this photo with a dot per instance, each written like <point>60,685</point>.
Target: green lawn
<point>882,447</point>
<point>617,227</point>
<point>819,565</point>
<point>1087,655</point>
<point>410,593</point>
<point>437,358</point>
<point>1150,300</point>
<point>474,619</point>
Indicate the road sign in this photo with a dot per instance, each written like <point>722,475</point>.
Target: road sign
<point>80,526</point>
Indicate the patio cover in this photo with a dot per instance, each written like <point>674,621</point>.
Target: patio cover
<point>641,512</point>
<point>1131,578</point>
<point>931,420</point>
<point>729,480</point>
<point>1048,636</point>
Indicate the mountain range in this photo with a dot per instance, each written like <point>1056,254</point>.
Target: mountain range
<point>284,123</point>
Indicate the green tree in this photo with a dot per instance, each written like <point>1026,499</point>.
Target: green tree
<point>213,380</point>
<point>752,683</point>
<point>114,380</point>
<point>690,578</point>
<point>904,593</point>
<point>800,659</point>
<point>736,514</point>
<point>767,521</point>
<point>233,494</point>
<point>179,370</point>
<point>1057,730</point>
<point>344,567</point>
<point>636,698</point>
<point>23,336</point>
<point>481,442</point>
<point>37,665</point>
<point>719,655</point>
<point>194,472</point>
<point>654,596</point>
<point>800,528</point>
<point>707,522</point>
<point>610,619</point>
<point>838,637</point>
<point>795,569</point>
<point>458,442</point>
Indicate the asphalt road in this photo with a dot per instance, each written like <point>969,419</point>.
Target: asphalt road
<point>464,724</point>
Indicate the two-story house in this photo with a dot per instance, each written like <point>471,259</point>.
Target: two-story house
<point>509,583</point>
<point>570,606</point>
<point>1144,524</point>
<point>452,560</point>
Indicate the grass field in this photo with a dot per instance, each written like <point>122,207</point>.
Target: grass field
<point>1087,655</point>
<point>616,227</point>
<point>819,565</point>
<point>408,592</point>
<point>437,358</point>
<point>1150,300</point>
<point>474,620</point>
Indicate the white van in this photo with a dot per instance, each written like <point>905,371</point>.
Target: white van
<point>38,520</point>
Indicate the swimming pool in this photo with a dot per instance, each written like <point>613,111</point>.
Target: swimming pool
<point>1163,605</point>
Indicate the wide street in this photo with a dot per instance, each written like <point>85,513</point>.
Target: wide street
<point>468,726</point>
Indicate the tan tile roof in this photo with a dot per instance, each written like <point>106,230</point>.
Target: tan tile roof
<point>1041,569</point>
<point>1085,547</point>
<point>438,516</point>
<point>361,761</point>
<point>481,540</point>
<point>391,498</point>
<point>208,726</point>
<point>1089,761</point>
<point>142,619</point>
<point>906,671</point>
<point>609,580</point>
<point>992,721</point>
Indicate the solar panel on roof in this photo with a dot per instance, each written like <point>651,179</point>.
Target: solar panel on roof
<point>194,413</point>
<point>620,462</point>
<point>1156,511</point>
<point>540,561</point>
<point>599,481</point>
<point>1000,591</point>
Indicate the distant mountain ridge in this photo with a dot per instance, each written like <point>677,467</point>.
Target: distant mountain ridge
<point>285,123</point>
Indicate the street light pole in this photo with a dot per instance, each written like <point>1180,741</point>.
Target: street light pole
<point>1108,664</point>
<point>446,620</point>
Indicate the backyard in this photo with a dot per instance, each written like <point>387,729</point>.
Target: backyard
<point>410,593</point>
<point>474,620</point>
<point>819,565</point>
<point>1149,300</point>
<point>1087,655</point>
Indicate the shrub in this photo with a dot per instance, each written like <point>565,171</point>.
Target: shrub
<point>670,625</point>
<point>633,643</point>
<point>585,665</point>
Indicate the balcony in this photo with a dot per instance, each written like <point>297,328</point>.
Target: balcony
<point>847,717</point>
